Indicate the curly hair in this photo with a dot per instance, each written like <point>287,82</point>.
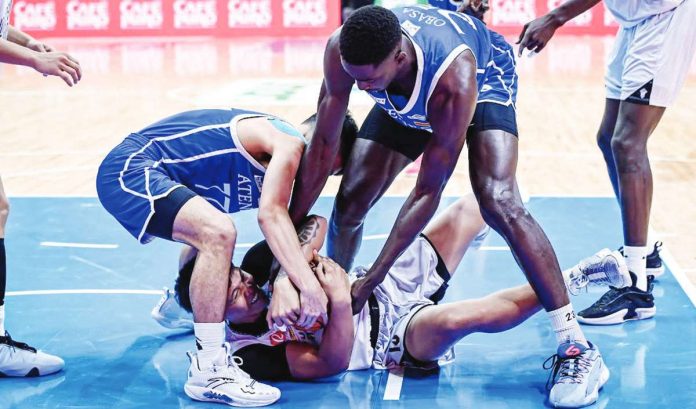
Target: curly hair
<point>369,35</point>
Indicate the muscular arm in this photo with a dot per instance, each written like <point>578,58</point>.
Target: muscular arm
<point>450,110</point>
<point>323,147</point>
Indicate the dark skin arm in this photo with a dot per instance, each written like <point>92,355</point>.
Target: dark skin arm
<point>317,159</point>
<point>450,110</point>
<point>537,33</point>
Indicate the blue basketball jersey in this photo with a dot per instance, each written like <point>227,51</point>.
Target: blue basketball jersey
<point>201,150</point>
<point>452,5</point>
<point>438,37</point>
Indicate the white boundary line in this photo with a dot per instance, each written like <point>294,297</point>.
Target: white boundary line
<point>78,245</point>
<point>392,391</point>
<point>85,291</point>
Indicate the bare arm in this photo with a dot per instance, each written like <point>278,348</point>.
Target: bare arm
<point>450,111</point>
<point>278,229</point>
<point>537,33</point>
<point>332,356</point>
<point>323,147</point>
<point>285,304</point>
<point>22,49</point>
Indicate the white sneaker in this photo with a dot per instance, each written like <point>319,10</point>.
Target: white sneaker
<point>578,373</point>
<point>605,267</point>
<point>224,382</point>
<point>19,359</point>
<point>169,314</point>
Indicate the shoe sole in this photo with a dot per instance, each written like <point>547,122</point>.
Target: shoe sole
<point>33,373</point>
<point>199,393</point>
<point>655,272</point>
<point>618,317</point>
<point>171,324</point>
<point>592,397</point>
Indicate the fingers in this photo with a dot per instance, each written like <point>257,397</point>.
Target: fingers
<point>70,71</point>
<point>47,48</point>
<point>75,66</point>
<point>66,77</point>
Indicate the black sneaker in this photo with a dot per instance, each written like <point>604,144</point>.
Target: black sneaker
<point>619,305</point>
<point>653,262</point>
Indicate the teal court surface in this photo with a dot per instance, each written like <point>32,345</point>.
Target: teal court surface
<point>82,288</point>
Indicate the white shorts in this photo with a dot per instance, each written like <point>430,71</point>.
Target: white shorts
<point>650,60</point>
<point>417,278</point>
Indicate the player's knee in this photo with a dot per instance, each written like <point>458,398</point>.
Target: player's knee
<point>627,149</point>
<point>499,204</point>
<point>349,209</point>
<point>604,141</point>
<point>4,207</point>
<point>217,235</point>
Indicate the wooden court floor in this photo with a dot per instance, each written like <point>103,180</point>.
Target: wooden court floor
<point>54,137</point>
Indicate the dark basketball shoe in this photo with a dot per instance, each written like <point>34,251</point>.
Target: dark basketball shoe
<point>619,305</point>
<point>653,261</point>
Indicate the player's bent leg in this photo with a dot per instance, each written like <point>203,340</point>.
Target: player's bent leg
<point>604,135</point>
<point>435,329</point>
<point>452,231</point>
<point>492,166</point>
<point>214,375</point>
<point>368,174</point>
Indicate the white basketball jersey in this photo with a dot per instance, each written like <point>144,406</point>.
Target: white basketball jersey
<point>631,12</point>
<point>5,9</point>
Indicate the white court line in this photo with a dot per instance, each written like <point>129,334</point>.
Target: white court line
<point>92,264</point>
<point>85,291</point>
<point>78,245</point>
<point>392,391</point>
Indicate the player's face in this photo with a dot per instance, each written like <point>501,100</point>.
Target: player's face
<point>245,300</point>
<point>375,77</point>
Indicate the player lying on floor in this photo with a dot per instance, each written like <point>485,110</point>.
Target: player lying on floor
<point>178,179</point>
<point>402,325</point>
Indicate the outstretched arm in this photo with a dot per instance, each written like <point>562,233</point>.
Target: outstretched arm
<point>537,33</point>
<point>450,110</point>
<point>22,49</point>
<point>323,147</point>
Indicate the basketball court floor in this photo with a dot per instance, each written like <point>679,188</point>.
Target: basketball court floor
<point>81,288</point>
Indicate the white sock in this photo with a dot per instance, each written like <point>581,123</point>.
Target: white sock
<point>566,326</point>
<point>2,320</point>
<point>635,259</point>
<point>209,340</point>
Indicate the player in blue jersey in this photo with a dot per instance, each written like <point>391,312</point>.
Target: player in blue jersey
<point>178,179</point>
<point>437,85</point>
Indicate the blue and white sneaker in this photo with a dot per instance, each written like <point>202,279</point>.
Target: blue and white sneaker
<point>619,305</point>
<point>225,382</point>
<point>577,374</point>
<point>605,267</point>
<point>18,359</point>
<point>169,314</point>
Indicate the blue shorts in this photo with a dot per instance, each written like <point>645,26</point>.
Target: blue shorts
<point>500,83</point>
<point>131,189</point>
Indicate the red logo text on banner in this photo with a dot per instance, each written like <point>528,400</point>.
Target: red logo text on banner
<point>35,15</point>
<point>87,14</point>
<point>195,13</point>
<point>304,13</point>
<point>249,13</point>
<point>141,14</point>
<point>512,12</point>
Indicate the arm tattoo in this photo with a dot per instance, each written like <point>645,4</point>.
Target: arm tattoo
<point>308,231</point>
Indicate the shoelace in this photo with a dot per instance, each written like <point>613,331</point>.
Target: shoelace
<point>7,339</point>
<point>577,283</point>
<point>566,370</point>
